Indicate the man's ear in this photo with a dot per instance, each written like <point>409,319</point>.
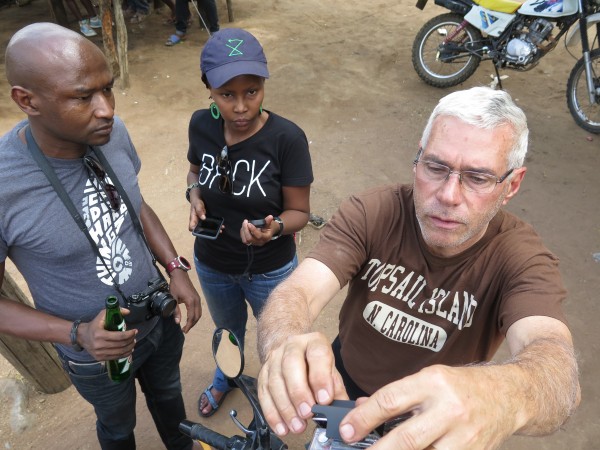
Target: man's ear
<point>515,183</point>
<point>25,99</point>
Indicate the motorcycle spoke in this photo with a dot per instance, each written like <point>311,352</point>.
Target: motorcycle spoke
<point>444,52</point>
<point>590,112</point>
<point>585,113</point>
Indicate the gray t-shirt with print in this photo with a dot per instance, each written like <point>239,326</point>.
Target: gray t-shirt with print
<point>39,235</point>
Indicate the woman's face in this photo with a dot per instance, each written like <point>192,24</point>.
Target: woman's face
<point>239,101</point>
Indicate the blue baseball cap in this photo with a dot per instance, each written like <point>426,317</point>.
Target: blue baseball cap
<point>231,52</point>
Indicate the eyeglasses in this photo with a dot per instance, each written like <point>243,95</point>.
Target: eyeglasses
<point>224,167</point>
<point>472,181</point>
<point>95,168</point>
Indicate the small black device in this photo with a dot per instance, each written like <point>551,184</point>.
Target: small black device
<point>156,300</point>
<point>258,223</point>
<point>208,228</point>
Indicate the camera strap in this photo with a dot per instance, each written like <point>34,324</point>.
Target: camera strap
<point>134,218</point>
<point>132,214</point>
<point>43,164</point>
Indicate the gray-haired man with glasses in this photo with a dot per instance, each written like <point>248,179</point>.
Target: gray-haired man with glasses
<point>438,276</point>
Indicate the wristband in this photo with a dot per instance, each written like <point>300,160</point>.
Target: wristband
<point>189,188</point>
<point>74,329</point>
<point>178,263</point>
<point>280,232</point>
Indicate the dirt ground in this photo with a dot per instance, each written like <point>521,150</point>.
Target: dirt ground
<point>340,69</point>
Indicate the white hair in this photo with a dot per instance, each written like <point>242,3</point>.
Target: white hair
<point>485,108</point>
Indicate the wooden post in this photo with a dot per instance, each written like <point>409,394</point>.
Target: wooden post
<point>35,361</point>
<point>229,10</point>
<point>122,42</point>
<point>108,39</point>
<point>59,14</point>
<point>117,56</point>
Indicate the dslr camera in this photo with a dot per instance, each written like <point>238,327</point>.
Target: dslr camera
<point>156,300</point>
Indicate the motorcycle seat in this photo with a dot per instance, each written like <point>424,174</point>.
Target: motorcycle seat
<point>504,6</point>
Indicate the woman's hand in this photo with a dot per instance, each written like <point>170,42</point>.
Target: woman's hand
<point>197,208</point>
<point>252,235</point>
<point>197,212</point>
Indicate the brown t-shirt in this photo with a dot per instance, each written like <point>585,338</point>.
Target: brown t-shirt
<point>407,309</point>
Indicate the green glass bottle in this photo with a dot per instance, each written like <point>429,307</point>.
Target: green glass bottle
<point>118,369</point>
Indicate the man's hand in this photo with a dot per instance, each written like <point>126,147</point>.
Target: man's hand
<point>298,367</point>
<point>102,344</point>
<point>452,408</point>
<point>295,376</point>
<point>183,291</point>
<point>180,286</point>
<point>478,407</point>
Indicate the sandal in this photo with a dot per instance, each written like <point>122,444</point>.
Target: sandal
<point>211,400</point>
<point>175,39</point>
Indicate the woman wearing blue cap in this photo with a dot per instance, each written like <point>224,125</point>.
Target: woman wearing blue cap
<point>246,163</point>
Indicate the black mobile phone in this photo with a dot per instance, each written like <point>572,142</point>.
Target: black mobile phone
<point>258,223</point>
<point>208,228</point>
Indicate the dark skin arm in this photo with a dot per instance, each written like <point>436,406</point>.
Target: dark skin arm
<point>296,210</point>
<point>197,210</point>
<point>180,286</point>
<point>101,344</point>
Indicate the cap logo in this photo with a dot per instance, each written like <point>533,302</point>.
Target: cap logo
<point>234,50</point>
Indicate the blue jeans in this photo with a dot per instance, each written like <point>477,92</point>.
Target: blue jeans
<point>156,366</point>
<point>226,297</point>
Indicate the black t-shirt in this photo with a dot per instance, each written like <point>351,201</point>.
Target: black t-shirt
<point>276,156</point>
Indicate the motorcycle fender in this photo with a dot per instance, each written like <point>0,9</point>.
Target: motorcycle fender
<point>574,36</point>
<point>490,22</point>
<point>456,6</point>
<point>549,8</point>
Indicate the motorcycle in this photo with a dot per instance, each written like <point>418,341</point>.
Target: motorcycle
<point>229,357</point>
<point>448,48</point>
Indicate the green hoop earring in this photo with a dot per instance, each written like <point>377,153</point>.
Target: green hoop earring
<point>214,111</point>
<point>260,109</point>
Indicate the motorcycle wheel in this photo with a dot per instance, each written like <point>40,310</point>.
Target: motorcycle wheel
<point>586,115</point>
<point>445,65</point>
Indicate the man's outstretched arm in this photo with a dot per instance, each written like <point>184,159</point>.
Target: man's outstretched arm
<point>298,367</point>
<point>478,407</point>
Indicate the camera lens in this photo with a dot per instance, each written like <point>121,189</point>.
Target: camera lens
<point>163,304</point>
